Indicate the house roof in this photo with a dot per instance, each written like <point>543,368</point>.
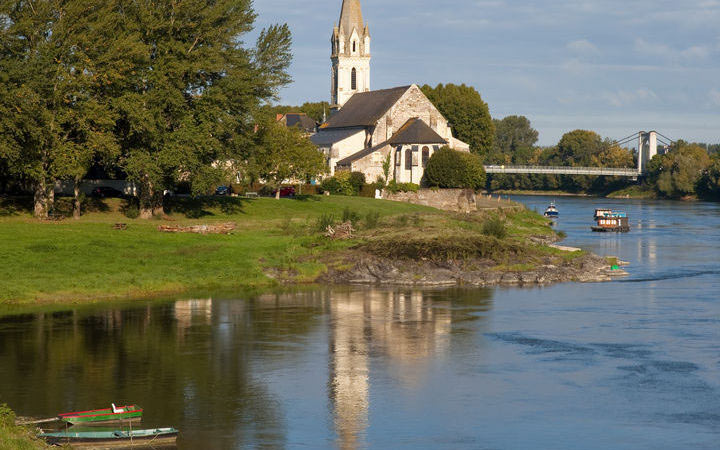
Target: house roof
<point>301,120</point>
<point>415,131</point>
<point>364,109</point>
<point>328,137</point>
<point>361,154</point>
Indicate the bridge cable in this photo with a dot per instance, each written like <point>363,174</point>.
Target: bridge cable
<point>632,136</point>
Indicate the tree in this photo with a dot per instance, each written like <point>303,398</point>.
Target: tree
<point>514,137</point>
<point>52,78</point>
<point>448,168</point>
<point>709,185</point>
<point>190,103</point>
<point>286,154</point>
<point>678,172</point>
<point>468,114</point>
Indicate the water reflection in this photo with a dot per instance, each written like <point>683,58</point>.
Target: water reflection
<point>211,366</point>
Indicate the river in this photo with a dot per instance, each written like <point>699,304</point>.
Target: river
<point>631,364</point>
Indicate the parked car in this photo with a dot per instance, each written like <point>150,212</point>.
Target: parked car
<point>223,190</point>
<point>286,192</point>
<point>106,192</point>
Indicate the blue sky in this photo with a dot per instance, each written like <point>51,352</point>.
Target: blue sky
<point>613,66</point>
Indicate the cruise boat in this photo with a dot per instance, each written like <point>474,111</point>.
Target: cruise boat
<point>609,221</point>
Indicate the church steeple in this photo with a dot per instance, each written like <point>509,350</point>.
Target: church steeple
<point>350,54</point>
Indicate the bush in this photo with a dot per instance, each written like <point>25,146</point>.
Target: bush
<point>495,227</point>
<point>325,221</point>
<point>368,191</point>
<point>395,187</point>
<point>372,218</point>
<point>7,416</point>
<point>452,169</point>
<point>340,184</point>
<point>350,216</point>
<point>357,181</point>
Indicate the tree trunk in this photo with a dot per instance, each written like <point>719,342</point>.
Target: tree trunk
<point>40,199</point>
<point>277,194</point>
<point>76,200</point>
<point>151,204</point>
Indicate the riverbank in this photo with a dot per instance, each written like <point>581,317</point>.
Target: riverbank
<point>631,192</point>
<point>274,243</point>
<point>13,437</point>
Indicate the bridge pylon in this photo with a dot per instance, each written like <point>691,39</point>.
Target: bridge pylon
<point>647,148</point>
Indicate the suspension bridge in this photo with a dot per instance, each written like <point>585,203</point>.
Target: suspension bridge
<point>647,147</point>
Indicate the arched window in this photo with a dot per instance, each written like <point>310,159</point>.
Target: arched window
<point>398,153</point>
<point>354,46</point>
<point>353,79</point>
<point>335,79</point>
<point>425,155</point>
<point>408,159</point>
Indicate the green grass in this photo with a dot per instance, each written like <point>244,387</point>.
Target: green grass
<point>85,260</point>
<point>13,437</point>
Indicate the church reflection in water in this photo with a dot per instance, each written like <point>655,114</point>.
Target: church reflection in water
<point>407,329</point>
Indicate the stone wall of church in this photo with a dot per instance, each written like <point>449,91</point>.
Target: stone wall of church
<point>412,104</point>
<point>460,200</point>
<point>372,165</point>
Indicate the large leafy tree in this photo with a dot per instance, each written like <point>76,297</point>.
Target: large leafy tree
<point>677,173</point>
<point>54,121</point>
<point>515,139</point>
<point>187,111</point>
<point>466,111</point>
<point>285,154</point>
<point>709,184</point>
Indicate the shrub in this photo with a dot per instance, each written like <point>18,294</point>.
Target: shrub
<point>368,190</point>
<point>495,227</point>
<point>357,181</point>
<point>372,218</point>
<point>452,169</point>
<point>325,221</point>
<point>340,184</point>
<point>394,187</point>
<point>350,216</point>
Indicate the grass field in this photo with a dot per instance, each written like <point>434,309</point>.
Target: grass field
<point>86,259</point>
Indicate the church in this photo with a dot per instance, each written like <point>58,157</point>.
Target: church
<point>365,126</point>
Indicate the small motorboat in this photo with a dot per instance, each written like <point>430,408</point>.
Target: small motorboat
<point>552,211</point>
<point>114,414</point>
<point>155,437</point>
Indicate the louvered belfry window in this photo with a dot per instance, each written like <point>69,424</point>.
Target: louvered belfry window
<point>353,79</point>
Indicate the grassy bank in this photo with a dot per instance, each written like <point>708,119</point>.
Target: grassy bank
<point>86,259</point>
<point>13,437</point>
<point>275,242</point>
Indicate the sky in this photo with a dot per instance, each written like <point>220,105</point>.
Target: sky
<point>612,66</point>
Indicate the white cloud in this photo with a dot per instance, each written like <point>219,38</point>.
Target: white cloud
<point>692,53</point>
<point>625,98</point>
<point>583,47</point>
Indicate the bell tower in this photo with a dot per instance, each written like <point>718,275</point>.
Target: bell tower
<point>350,55</point>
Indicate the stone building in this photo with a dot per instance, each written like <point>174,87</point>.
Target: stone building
<point>368,126</point>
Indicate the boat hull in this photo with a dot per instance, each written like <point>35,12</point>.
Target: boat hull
<point>114,439</point>
<point>611,229</point>
<point>106,416</point>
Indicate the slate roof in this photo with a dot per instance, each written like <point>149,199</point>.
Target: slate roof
<point>364,109</point>
<point>351,17</point>
<point>361,154</point>
<point>415,131</point>
<point>322,139</point>
<point>301,120</point>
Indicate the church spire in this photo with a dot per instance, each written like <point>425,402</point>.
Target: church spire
<point>350,54</point>
<point>351,17</point>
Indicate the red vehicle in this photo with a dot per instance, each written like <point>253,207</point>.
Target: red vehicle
<point>286,192</point>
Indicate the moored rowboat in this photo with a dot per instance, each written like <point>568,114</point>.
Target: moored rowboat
<point>122,414</point>
<point>156,437</point>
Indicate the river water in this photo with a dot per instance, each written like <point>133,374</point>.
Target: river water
<point>632,364</point>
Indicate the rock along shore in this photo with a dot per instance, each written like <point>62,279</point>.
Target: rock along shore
<point>370,269</point>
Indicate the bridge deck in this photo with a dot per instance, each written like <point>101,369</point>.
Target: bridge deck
<point>558,170</point>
